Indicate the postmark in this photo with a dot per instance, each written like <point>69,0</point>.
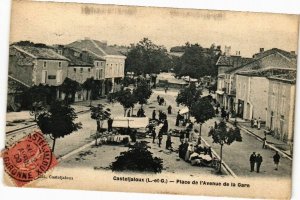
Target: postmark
<point>28,159</point>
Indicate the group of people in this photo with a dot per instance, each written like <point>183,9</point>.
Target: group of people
<point>160,100</point>
<point>256,123</point>
<point>158,132</point>
<point>256,161</point>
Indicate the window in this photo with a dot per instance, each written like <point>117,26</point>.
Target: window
<point>59,76</point>
<point>59,64</point>
<point>51,77</point>
<point>45,64</point>
<point>97,64</point>
<point>44,76</point>
<point>74,70</point>
<point>81,70</point>
<point>89,69</point>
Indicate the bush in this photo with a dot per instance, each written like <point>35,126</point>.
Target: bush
<point>137,158</point>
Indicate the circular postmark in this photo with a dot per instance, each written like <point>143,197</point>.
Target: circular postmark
<point>28,159</point>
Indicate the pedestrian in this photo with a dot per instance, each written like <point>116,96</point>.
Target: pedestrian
<point>252,161</point>
<point>177,119</point>
<point>153,135</point>
<point>276,159</point>
<point>264,143</point>
<point>169,109</point>
<point>216,125</point>
<point>181,137</point>
<point>158,98</point>
<point>209,152</point>
<point>169,142</point>
<point>153,115</point>
<point>109,124</point>
<point>258,123</point>
<point>128,113</point>
<point>252,123</point>
<point>255,123</point>
<point>160,137</point>
<point>258,162</point>
<point>217,110</point>
<point>166,89</point>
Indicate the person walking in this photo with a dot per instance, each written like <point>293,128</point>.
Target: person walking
<point>169,109</point>
<point>160,137</point>
<point>258,162</point>
<point>276,159</point>
<point>109,124</point>
<point>158,98</point>
<point>252,161</point>
<point>153,135</point>
<point>153,115</point>
<point>264,142</point>
<point>258,123</point>
<point>255,123</point>
<point>177,119</point>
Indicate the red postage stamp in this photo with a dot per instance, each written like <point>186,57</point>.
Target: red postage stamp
<point>28,159</point>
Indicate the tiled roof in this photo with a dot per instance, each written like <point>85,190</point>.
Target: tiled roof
<point>96,47</point>
<point>289,74</point>
<point>40,53</point>
<point>22,58</point>
<point>234,61</point>
<point>255,63</point>
<point>15,85</point>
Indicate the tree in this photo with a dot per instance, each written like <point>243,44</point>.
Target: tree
<point>99,114</point>
<point>36,109</point>
<point>126,99</point>
<point>70,87</point>
<point>145,57</point>
<point>188,95</point>
<point>202,110</point>
<point>137,158</point>
<point>222,135</point>
<point>58,121</point>
<point>142,92</point>
<point>197,61</point>
<point>89,85</point>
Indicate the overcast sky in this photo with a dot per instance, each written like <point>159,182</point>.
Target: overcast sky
<point>62,23</point>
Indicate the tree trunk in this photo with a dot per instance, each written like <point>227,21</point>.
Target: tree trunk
<point>125,112</point>
<point>221,158</point>
<point>90,98</point>
<point>200,131</point>
<point>53,145</point>
<point>96,137</point>
<point>131,111</point>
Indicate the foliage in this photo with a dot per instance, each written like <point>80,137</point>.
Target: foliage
<point>142,92</point>
<point>222,135</point>
<point>202,110</point>
<point>145,57</point>
<point>137,158</point>
<point>126,99</point>
<point>36,109</point>
<point>198,61</point>
<point>126,81</point>
<point>70,86</point>
<point>188,95</point>
<point>58,121</point>
<point>29,43</point>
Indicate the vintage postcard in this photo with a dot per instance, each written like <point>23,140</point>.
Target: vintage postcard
<point>151,100</point>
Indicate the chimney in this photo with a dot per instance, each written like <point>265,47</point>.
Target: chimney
<point>293,52</point>
<point>261,50</point>
<point>227,50</point>
<point>238,53</point>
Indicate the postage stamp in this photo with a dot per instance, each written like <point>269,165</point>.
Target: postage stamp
<point>28,159</point>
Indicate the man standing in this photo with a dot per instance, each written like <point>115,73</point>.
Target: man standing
<point>258,160</point>
<point>170,109</point>
<point>109,124</point>
<point>276,159</point>
<point>153,135</point>
<point>153,115</point>
<point>252,161</point>
<point>160,137</point>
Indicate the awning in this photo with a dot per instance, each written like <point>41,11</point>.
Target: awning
<point>220,92</point>
<point>184,110</point>
<point>132,122</point>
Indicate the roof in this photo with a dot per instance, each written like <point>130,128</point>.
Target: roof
<point>272,73</point>
<point>289,77</point>
<point>99,49</point>
<point>69,53</point>
<point>232,60</point>
<point>22,58</point>
<point>40,52</point>
<point>15,85</point>
<point>257,57</point>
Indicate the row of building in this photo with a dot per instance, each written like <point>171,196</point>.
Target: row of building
<point>262,87</point>
<point>80,60</point>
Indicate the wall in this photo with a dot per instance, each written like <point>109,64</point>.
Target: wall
<point>20,72</point>
<point>80,74</point>
<point>52,67</point>
<point>281,101</point>
<point>115,66</point>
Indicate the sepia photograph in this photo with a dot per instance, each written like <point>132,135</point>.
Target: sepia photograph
<point>148,99</point>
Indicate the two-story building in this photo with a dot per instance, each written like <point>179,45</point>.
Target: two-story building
<point>114,61</point>
<point>225,82</point>
<point>281,105</point>
<point>37,65</point>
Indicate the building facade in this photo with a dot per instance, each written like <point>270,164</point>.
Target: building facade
<point>281,106</point>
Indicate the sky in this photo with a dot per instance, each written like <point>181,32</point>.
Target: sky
<point>63,23</point>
